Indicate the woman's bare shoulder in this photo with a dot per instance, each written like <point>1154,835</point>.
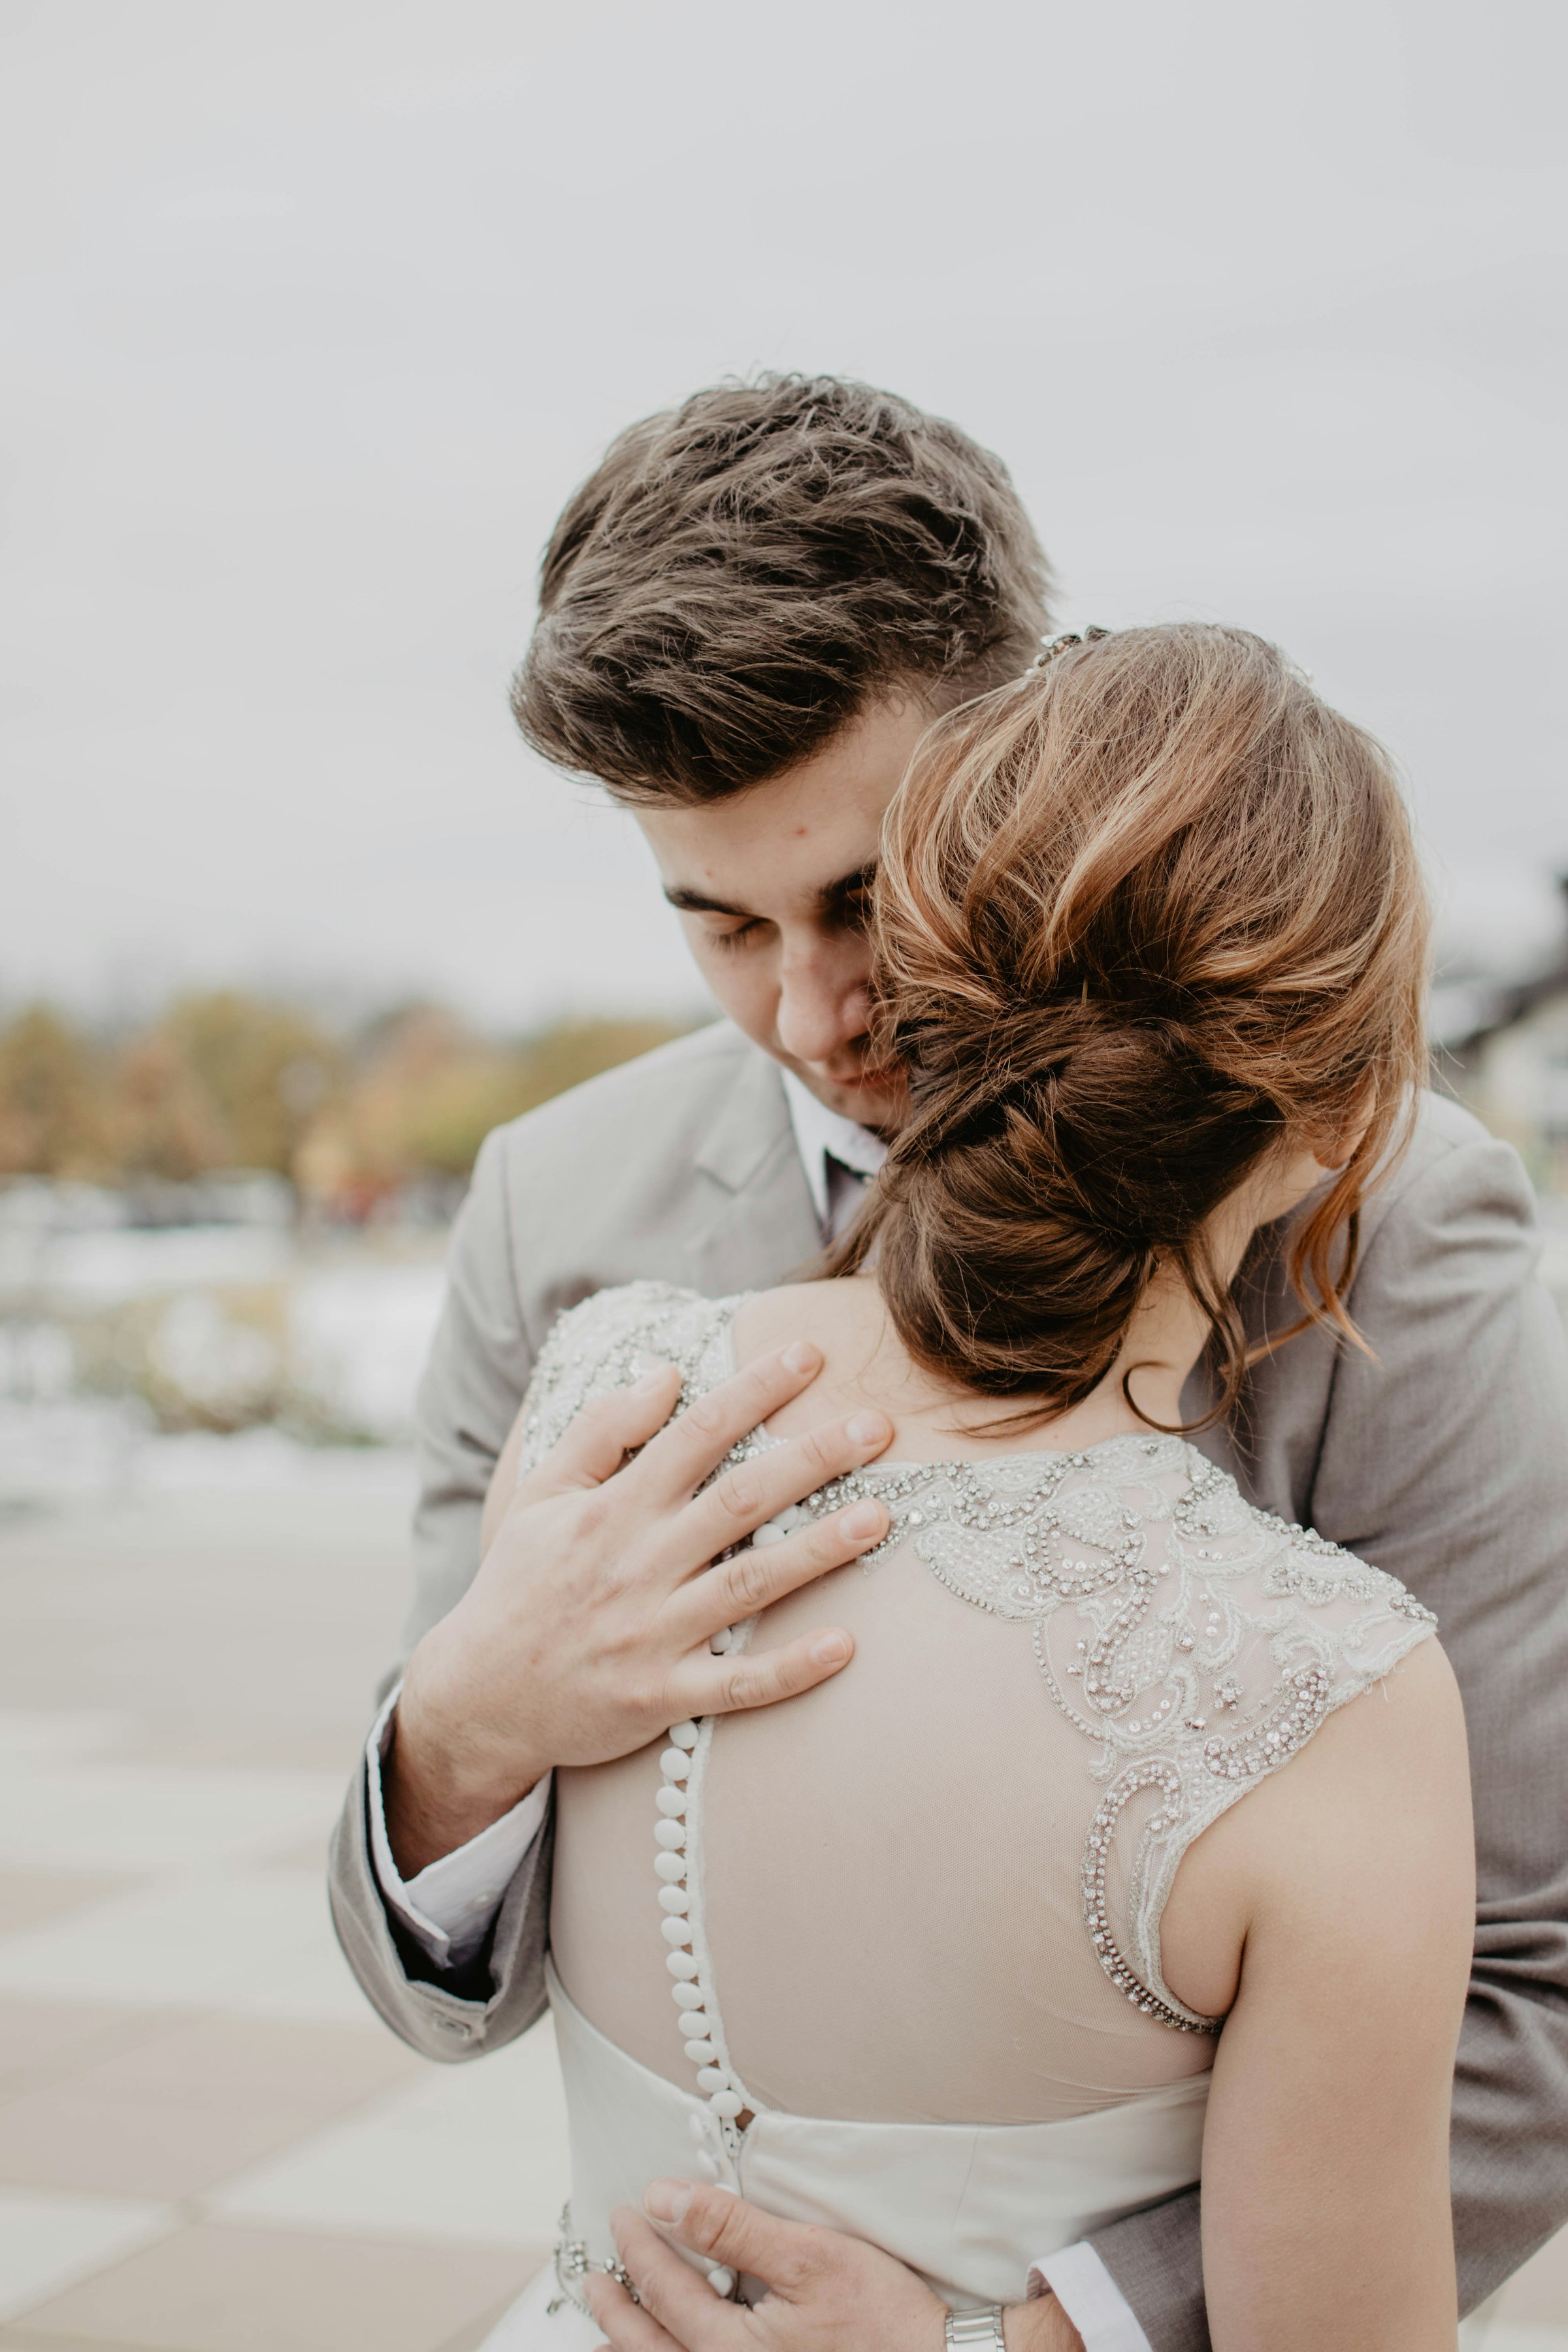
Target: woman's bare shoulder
<point>1373,1815</point>
<point>827,1313</point>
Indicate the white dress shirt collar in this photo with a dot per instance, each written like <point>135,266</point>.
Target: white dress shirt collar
<point>821,1135</point>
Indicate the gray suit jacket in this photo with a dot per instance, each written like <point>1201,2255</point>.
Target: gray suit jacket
<point>1444,1459</point>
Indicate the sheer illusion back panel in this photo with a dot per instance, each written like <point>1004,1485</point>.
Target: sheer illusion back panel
<point>891,1884</point>
<point>893,1867</point>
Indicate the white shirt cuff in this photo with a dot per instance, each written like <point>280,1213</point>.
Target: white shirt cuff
<point>1091,2299</point>
<point>449,1906</point>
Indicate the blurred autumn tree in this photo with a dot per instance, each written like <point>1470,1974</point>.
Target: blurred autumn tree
<point>52,1108</point>
<point>265,1069</point>
<point>426,1091</point>
<point>225,1080</point>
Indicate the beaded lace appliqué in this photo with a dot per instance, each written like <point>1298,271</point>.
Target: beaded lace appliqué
<point>1140,1568</point>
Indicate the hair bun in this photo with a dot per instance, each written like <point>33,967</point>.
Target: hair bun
<point>1140,916</point>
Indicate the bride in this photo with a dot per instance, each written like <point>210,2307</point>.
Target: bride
<point>939,1955</point>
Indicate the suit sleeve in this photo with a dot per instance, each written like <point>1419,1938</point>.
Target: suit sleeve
<point>1444,1459</point>
<point>480,1361</point>
<point>478,1369</point>
<point>450,2015</point>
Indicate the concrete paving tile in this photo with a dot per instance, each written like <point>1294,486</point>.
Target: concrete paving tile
<point>216,2289</point>
<point>65,2140</point>
<point>315,2071</point>
<point>190,2104</point>
<point>28,1898</point>
<point>31,1735</point>
<point>95,1814</point>
<point>22,2340</point>
<point>48,2243</point>
<point>201,1743</point>
<point>310,1854</point>
<point>159,1599</point>
<point>473,2154</point>
<point>243,1942</point>
<point>46,2041</point>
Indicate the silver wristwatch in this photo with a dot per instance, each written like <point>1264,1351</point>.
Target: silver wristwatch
<point>981,2330</point>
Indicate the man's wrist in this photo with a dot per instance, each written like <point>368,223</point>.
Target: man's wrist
<point>437,1798</point>
<point>1041,2326</point>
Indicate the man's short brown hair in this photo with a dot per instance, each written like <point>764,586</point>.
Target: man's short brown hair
<point>742,575</point>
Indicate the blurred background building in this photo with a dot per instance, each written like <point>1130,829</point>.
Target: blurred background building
<point>312,317</point>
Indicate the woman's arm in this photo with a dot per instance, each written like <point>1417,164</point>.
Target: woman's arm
<point>1350,1877</point>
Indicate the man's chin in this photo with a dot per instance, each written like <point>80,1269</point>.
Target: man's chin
<point>876,1101</point>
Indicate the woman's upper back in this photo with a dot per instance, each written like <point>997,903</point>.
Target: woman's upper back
<point>931,1889</point>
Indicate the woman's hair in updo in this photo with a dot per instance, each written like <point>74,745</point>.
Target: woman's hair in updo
<point>1141,917</point>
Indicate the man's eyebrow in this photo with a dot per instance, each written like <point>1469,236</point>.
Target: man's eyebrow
<point>695,902</point>
<point>832,894</point>
<point>830,898</point>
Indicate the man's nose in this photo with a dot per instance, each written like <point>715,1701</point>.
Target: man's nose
<point>823,1004</point>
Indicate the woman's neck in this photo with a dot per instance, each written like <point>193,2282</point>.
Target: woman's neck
<point>868,1364</point>
<point>1141,1389</point>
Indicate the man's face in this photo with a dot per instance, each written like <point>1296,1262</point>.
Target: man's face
<point>772,887</point>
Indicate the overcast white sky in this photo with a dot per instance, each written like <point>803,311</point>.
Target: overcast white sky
<point>313,314</point>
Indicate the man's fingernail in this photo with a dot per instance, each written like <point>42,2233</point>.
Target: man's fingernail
<point>667,2201</point>
<point>802,1358</point>
<point>829,1650</point>
<point>868,1429</point>
<point>862,1519</point>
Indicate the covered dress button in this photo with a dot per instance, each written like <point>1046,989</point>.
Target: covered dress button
<point>675,1763</point>
<point>671,1800</point>
<point>725,2104</point>
<point>670,1834</point>
<point>680,1964</point>
<point>720,2280</point>
<point>674,1898</point>
<point>671,1867</point>
<point>701,2053</point>
<point>683,1733</point>
<point>770,1532</point>
<point>712,2078</point>
<point>676,1931</point>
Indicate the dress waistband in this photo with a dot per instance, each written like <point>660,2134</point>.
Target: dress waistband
<point>969,2206</point>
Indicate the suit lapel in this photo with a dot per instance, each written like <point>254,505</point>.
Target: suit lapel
<point>756,1224</point>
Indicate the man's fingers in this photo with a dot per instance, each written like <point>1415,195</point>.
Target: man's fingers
<point>726,2230</point>
<point>763,1574</point>
<point>675,2297</point>
<point>597,1441</point>
<point>694,1445</point>
<point>704,1684</point>
<point>744,1497</point>
<point>628,2328</point>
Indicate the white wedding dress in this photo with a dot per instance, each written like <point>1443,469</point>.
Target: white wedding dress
<point>888,1957</point>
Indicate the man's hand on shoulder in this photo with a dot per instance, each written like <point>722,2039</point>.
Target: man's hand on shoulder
<point>587,1632</point>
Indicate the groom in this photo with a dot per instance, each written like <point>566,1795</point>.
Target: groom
<point>748,615</point>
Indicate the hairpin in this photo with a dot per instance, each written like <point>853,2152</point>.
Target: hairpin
<point>1051,646</point>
